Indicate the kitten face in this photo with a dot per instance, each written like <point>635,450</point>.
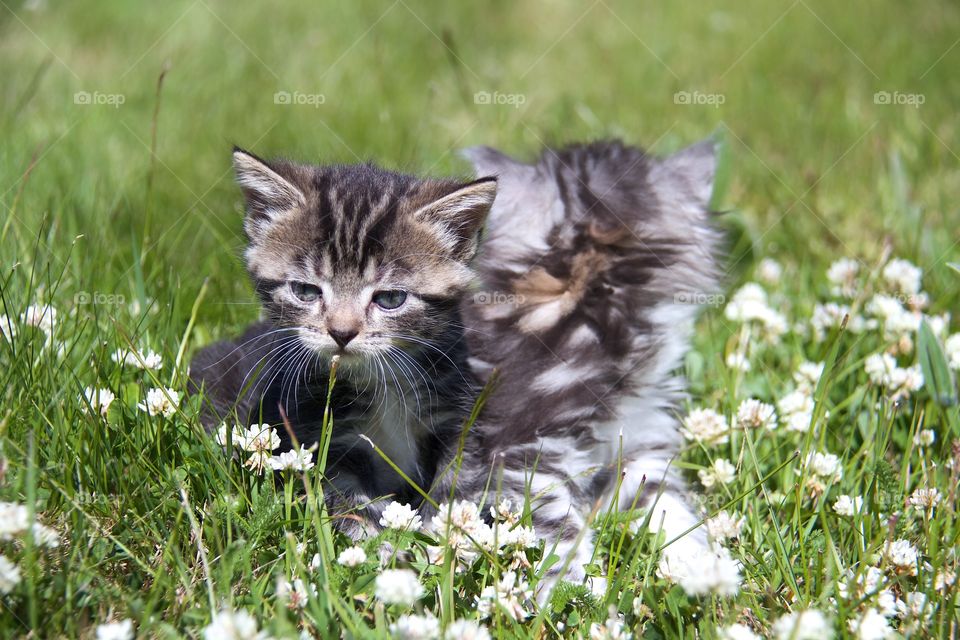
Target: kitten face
<point>357,258</point>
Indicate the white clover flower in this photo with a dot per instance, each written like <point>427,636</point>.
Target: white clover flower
<point>259,461</point>
<point>465,532</point>
<point>746,297</point>
<point>351,557</point>
<point>944,579</point>
<point>43,317</point>
<point>293,460</point>
<point>706,426</point>
<point>842,274</point>
<point>295,594</point>
<point>513,541</point>
<point>808,375</point>
<point>738,361</point>
<point>232,625</point>
<point>121,630</point>
<point>160,402</point>
<point>754,414</point>
<point>98,399</point>
<point>701,571</point>
<point>736,632</point>
<point>952,351</point>
<point>871,625</point>
<point>905,381</point>
<point>868,585</point>
<point>44,536</point>
<point>414,627</point>
<point>398,586</point>
<point>9,575</point>
<point>824,465</point>
<point>720,472</point>
<point>796,410</point>
<point>915,604</point>
<point>316,561</point>
<point>883,370</point>
<point>613,629</point>
<point>724,525</point>
<point>466,630</point>
<point>802,625</point>
<point>7,328</point>
<point>14,520</point>
<point>260,438</point>
<point>518,536</point>
<point>925,498</point>
<point>511,595</point>
<point>138,359</point>
<point>827,317</point>
<point>236,433</point>
<point>848,505</point>
<point>879,367</point>
<point>896,320</point>
<point>855,586</point>
<point>401,517</point>
<point>902,555</point>
<point>902,276</point>
<point>770,271</point>
<point>503,512</point>
<point>749,304</point>
<point>939,325</point>
<point>925,437</point>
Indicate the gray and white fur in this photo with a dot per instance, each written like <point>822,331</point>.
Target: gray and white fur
<point>594,258</point>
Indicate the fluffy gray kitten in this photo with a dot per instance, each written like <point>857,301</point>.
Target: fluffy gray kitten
<point>594,258</point>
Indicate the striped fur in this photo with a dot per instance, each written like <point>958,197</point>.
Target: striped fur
<point>349,234</point>
<point>593,259</point>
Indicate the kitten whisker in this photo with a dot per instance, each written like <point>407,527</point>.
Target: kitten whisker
<point>246,342</point>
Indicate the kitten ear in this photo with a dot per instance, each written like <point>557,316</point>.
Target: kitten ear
<point>267,193</point>
<point>686,177</point>
<point>457,218</point>
<point>487,161</point>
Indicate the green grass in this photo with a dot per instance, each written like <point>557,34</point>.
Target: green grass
<point>157,525</point>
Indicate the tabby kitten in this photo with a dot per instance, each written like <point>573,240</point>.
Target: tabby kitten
<point>593,260</point>
<point>370,265</point>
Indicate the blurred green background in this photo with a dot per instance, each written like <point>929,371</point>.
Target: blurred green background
<point>818,165</point>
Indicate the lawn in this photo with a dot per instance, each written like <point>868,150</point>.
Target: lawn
<point>838,185</point>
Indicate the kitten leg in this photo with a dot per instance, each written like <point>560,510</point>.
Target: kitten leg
<point>555,511</point>
<point>352,511</point>
<point>671,513</point>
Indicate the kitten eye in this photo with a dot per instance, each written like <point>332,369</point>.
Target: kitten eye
<point>391,299</point>
<point>305,292</point>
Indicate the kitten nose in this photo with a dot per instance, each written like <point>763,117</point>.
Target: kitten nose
<point>342,336</point>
